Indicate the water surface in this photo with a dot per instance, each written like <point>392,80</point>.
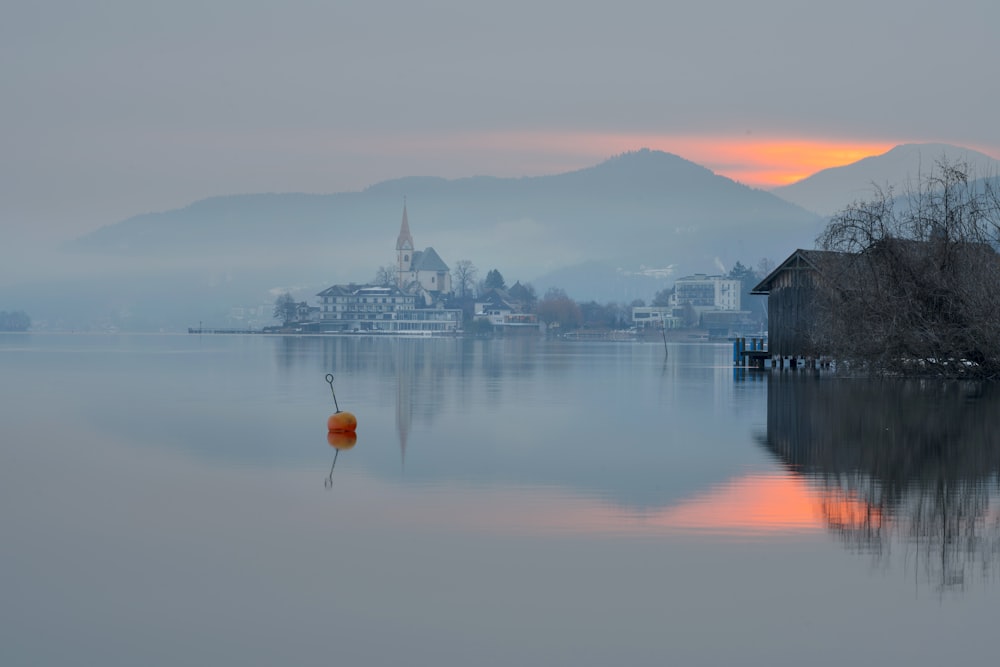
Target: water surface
<point>175,500</point>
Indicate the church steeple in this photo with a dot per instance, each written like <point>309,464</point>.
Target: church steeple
<point>405,240</point>
<point>404,251</point>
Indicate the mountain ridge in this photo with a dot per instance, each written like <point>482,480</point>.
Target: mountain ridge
<point>660,195</point>
<point>831,190</point>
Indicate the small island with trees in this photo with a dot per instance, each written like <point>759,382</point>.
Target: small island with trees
<point>16,320</point>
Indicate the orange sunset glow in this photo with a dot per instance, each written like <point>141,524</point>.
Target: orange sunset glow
<point>755,160</point>
<point>770,163</point>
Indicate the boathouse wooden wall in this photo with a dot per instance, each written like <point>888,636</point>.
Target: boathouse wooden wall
<point>791,309</point>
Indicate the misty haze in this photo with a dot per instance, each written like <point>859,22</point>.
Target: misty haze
<point>542,333</point>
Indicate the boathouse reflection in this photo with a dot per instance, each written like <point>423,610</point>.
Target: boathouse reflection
<point>906,463</point>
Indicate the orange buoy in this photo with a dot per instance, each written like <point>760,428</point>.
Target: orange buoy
<point>342,422</point>
<point>339,421</point>
<point>341,440</point>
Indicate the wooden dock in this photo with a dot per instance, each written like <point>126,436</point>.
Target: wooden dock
<point>753,356</point>
<point>759,356</point>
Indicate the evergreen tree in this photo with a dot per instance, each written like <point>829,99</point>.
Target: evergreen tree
<point>494,280</point>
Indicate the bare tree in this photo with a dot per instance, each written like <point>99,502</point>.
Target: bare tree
<point>556,308</point>
<point>385,276</point>
<point>911,284</point>
<point>463,277</point>
<point>285,308</point>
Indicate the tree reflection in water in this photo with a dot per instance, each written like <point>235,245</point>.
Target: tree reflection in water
<point>909,462</point>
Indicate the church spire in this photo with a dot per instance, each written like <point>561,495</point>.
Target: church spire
<point>404,252</point>
<point>405,240</point>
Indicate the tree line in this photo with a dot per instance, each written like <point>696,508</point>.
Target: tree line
<point>16,320</point>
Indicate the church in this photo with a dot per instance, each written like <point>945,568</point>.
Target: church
<point>414,305</point>
<point>420,272</point>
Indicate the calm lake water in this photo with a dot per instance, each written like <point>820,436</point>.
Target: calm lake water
<point>169,500</point>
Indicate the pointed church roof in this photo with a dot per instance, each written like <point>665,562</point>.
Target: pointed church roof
<point>404,232</point>
<point>428,260</point>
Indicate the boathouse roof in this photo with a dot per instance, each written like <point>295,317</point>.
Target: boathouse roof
<point>800,260</point>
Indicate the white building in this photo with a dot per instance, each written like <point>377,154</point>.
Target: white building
<point>347,308</point>
<point>644,317</point>
<point>694,297</point>
<point>707,293</point>
<point>497,308</point>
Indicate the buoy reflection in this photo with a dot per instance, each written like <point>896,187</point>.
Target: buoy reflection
<point>340,441</point>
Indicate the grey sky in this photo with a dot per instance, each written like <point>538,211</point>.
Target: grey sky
<point>116,108</point>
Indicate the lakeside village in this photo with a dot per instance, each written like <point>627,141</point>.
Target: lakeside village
<point>422,296</point>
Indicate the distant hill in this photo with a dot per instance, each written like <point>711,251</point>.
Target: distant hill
<point>642,208</point>
<point>831,190</point>
<point>617,231</point>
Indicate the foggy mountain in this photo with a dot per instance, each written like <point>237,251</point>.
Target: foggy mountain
<point>643,208</point>
<point>620,230</point>
<point>828,191</point>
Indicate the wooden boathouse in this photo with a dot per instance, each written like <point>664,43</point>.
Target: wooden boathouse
<point>791,309</point>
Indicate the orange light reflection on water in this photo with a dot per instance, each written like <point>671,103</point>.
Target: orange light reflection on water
<point>763,504</point>
<point>780,503</point>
